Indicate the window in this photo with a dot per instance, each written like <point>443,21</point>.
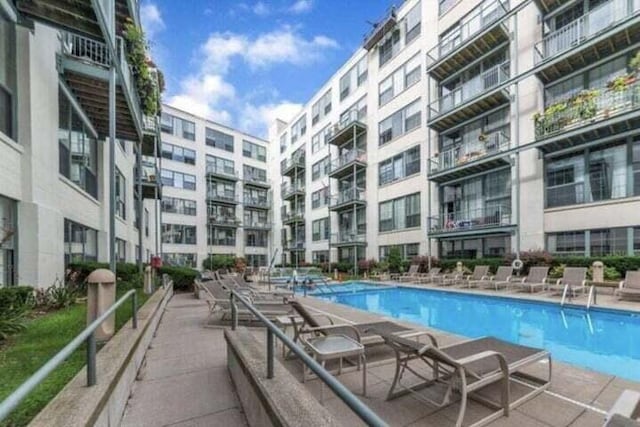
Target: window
<point>492,246</point>
<point>254,218</point>
<point>8,225</point>
<point>166,123</point>
<point>320,168</point>
<point>254,151</point>
<point>77,149</point>
<point>445,5</point>
<point>389,48</point>
<point>608,242</point>
<point>80,242</point>
<point>180,259</point>
<point>256,238</point>
<point>283,142</point>
<point>215,138</point>
<point>188,130</point>
<point>320,198</point>
<point>179,180</point>
<point>121,250</point>
<point>7,76</point>
<point>320,229</point>
<point>221,236</point>
<point>354,78</point>
<point>400,213</point>
<point>400,166</point>
<point>256,196</point>
<point>179,154</point>
<point>222,212</point>
<point>400,122</point>
<point>412,23</point>
<point>256,260</point>
<point>222,166</point>
<point>321,108</point>
<point>178,127</point>
<point>636,241</point>
<point>179,234</point>
<point>146,222</point>
<point>121,195</point>
<point>635,166</point>
<point>407,251</point>
<point>251,173</point>
<point>361,111</point>
<point>404,77</point>
<point>221,189</point>
<point>299,128</point>
<point>566,243</point>
<point>320,257</point>
<point>319,140</point>
<point>178,206</point>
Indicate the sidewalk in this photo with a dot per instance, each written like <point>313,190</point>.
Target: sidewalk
<point>184,380</point>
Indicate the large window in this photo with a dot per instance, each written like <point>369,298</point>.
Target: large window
<point>389,48</point>
<point>283,142</point>
<point>412,23</point>
<point>179,180</point>
<point>636,241</point>
<point>360,107</point>
<point>254,174</point>
<point>321,108</point>
<point>320,198</point>
<point>400,166</point>
<point>178,206</point>
<point>407,251</point>
<point>253,218</point>
<point>299,128</point>
<point>599,242</point>
<point>400,122</point>
<point>354,78</point>
<point>567,243</point>
<point>256,196</point>
<point>256,238</point>
<point>178,127</point>
<point>256,260</point>
<point>180,259</point>
<point>320,257</point>
<point>77,149</point>
<point>319,140</point>
<point>179,154</point>
<point>221,166</point>
<point>8,228</point>
<point>254,151</point>
<point>121,195</point>
<point>217,139</point>
<point>400,213</point>
<point>404,77</point>
<point>221,236</point>
<point>7,76</point>
<point>179,234</point>
<point>320,229</point>
<point>121,250</point>
<point>320,168</point>
<point>491,246</point>
<point>80,242</point>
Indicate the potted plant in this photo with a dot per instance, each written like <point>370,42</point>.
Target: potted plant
<point>585,104</point>
<point>634,63</point>
<point>618,84</point>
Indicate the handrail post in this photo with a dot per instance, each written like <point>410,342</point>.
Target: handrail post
<point>91,359</point>
<point>134,310</point>
<point>234,313</point>
<point>270,355</point>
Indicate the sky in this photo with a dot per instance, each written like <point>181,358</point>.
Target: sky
<point>246,63</point>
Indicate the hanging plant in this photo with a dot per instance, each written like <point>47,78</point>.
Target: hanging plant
<point>618,84</point>
<point>585,103</point>
<point>634,63</point>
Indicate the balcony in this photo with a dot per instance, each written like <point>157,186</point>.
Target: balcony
<point>293,245</point>
<point>346,199</point>
<point>348,163</point>
<point>257,202</point>
<point>222,197</point>
<point>222,171</point>
<point>256,181</point>
<point>292,166</point>
<point>380,28</point>
<point>151,139</point>
<point>348,129</point>
<point>292,217</point>
<point>478,33</point>
<point>291,191</point>
<point>84,65</point>
<point>255,225</point>
<point>550,5</point>
<point>223,221</point>
<point>348,238</point>
<point>473,221</point>
<point>470,158</point>
<point>589,116</point>
<point>603,31</point>
<point>480,94</point>
<point>151,185</point>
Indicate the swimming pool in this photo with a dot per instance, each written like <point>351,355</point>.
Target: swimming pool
<point>603,340</point>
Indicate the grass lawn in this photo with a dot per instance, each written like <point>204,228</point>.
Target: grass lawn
<point>44,336</point>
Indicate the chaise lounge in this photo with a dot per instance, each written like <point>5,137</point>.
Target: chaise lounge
<point>536,279</point>
<point>502,279</point>
<point>630,287</point>
<point>574,281</point>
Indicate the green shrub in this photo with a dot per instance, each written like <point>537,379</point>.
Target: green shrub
<point>78,271</point>
<point>218,262</point>
<point>493,263</point>
<point>11,322</point>
<point>530,259</point>
<point>15,297</point>
<point>61,295</point>
<point>395,260</point>
<point>183,277</point>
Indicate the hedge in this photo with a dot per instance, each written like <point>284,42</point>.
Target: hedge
<point>125,271</point>
<point>14,297</point>
<point>217,262</point>
<point>183,277</point>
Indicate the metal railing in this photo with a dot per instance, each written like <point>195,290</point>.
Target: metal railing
<point>150,123</point>
<point>287,164</point>
<point>250,177</point>
<point>584,28</point>
<point>290,244</point>
<point>215,169</point>
<point>470,219</point>
<point>149,173</point>
<point>347,119</point>
<point>296,215</point>
<point>484,146</point>
<point>288,190</point>
<point>348,196</point>
<point>216,219</point>
<point>487,14</point>
<point>88,336</point>
<point>262,202</point>
<point>470,89</point>
<point>360,409</point>
<point>222,197</point>
<point>347,158</point>
<point>345,237</point>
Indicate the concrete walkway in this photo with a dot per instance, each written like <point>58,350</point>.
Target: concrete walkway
<point>184,380</point>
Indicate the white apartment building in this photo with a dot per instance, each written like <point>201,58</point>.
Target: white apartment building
<point>216,192</point>
<point>54,151</point>
<point>506,126</point>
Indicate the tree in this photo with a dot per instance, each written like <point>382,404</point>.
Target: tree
<point>395,260</point>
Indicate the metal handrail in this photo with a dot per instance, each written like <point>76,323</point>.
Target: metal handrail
<point>357,406</point>
<point>88,335</point>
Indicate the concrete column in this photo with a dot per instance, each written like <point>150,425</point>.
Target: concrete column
<point>459,266</point>
<point>101,294</point>
<point>148,280</point>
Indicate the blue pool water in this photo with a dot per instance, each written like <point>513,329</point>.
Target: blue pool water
<point>350,287</point>
<point>603,340</point>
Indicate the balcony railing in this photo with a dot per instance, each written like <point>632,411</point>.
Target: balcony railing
<point>582,29</point>
<point>287,164</point>
<point>255,178</point>
<point>348,119</point>
<point>150,124</point>
<point>294,245</point>
<point>221,170</point>
<point>587,107</point>
<point>261,202</point>
<point>348,196</point>
<point>216,219</point>
<point>222,197</point>
<point>257,224</point>
<point>297,215</point>
<point>470,219</point>
<point>486,145</point>
<point>346,237</point>
<point>347,158</point>
<point>489,79</point>
<point>288,190</point>
<point>149,173</point>
<point>482,18</point>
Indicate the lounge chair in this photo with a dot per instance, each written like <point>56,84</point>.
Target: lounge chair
<point>450,279</point>
<point>256,294</point>
<point>466,367</point>
<point>368,334</point>
<point>536,279</point>
<point>410,275</point>
<point>574,280</point>
<point>480,274</point>
<point>502,279</point>
<point>431,277</point>
<point>625,412</point>
<point>630,286</point>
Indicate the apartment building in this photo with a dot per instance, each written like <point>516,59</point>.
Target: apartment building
<point>509,126</point>
<point>216,191</point>
<point>54,147</point>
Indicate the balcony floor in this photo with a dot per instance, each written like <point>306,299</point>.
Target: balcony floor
<point>479,165</point>
<point>466,110</point>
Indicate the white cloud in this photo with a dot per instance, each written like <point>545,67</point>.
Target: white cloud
<point>151,18</point>
<point>261,9</point>
<point>203,95</point>
<point>301,6</point>
<point>256,119</point>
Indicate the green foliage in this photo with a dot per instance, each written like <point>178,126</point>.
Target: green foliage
<point>15,297</point>
<point>493,263</point>
<point>367,265</point>
<point>395,260</point>
<point>11,322</point>
<point>61,295</point>
<point>557,271</point>
<point>219,262</point>
<point>78,271</point>
<point>530,259</point>
<point>610,273</point>
<point>344,267</point>
<point>183,277</point>
<point>634,63</point>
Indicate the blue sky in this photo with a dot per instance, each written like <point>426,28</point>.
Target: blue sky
<point>244,63</point>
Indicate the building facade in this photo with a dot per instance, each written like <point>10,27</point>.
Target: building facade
<point>216,192</point>
<point>54,150</point>
<point>508,126</point>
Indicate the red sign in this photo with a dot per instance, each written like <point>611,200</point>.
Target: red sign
<point>156,262</point>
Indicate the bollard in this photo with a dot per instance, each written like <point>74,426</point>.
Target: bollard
<point>101,294</point>
<point>91,360</point>
<point>459,267</point>
<point>148,280</point>
<point>597,272</point>
<point>270,353</point>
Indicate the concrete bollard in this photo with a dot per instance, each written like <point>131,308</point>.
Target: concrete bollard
<point>101,294</point>
<point>148,280</point>
<point>459,267</point>
<point>597,272</point>
<point>335,274</point>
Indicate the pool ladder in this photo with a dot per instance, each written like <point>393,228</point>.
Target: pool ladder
<point>592,299</point>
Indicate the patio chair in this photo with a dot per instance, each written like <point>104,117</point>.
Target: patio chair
<point>630,286</point>
<point>450,279</point>
<point>368,334</point>
<point>480,274</point>
<point>237,283</point>
<point>501,279</point>
<point>466,367</point>
<point>574,281</point>
<point>431,276</point>
<point>625,412</point>
<point>379,275</point>
<point>536,279</point>
<point>410,275</point>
